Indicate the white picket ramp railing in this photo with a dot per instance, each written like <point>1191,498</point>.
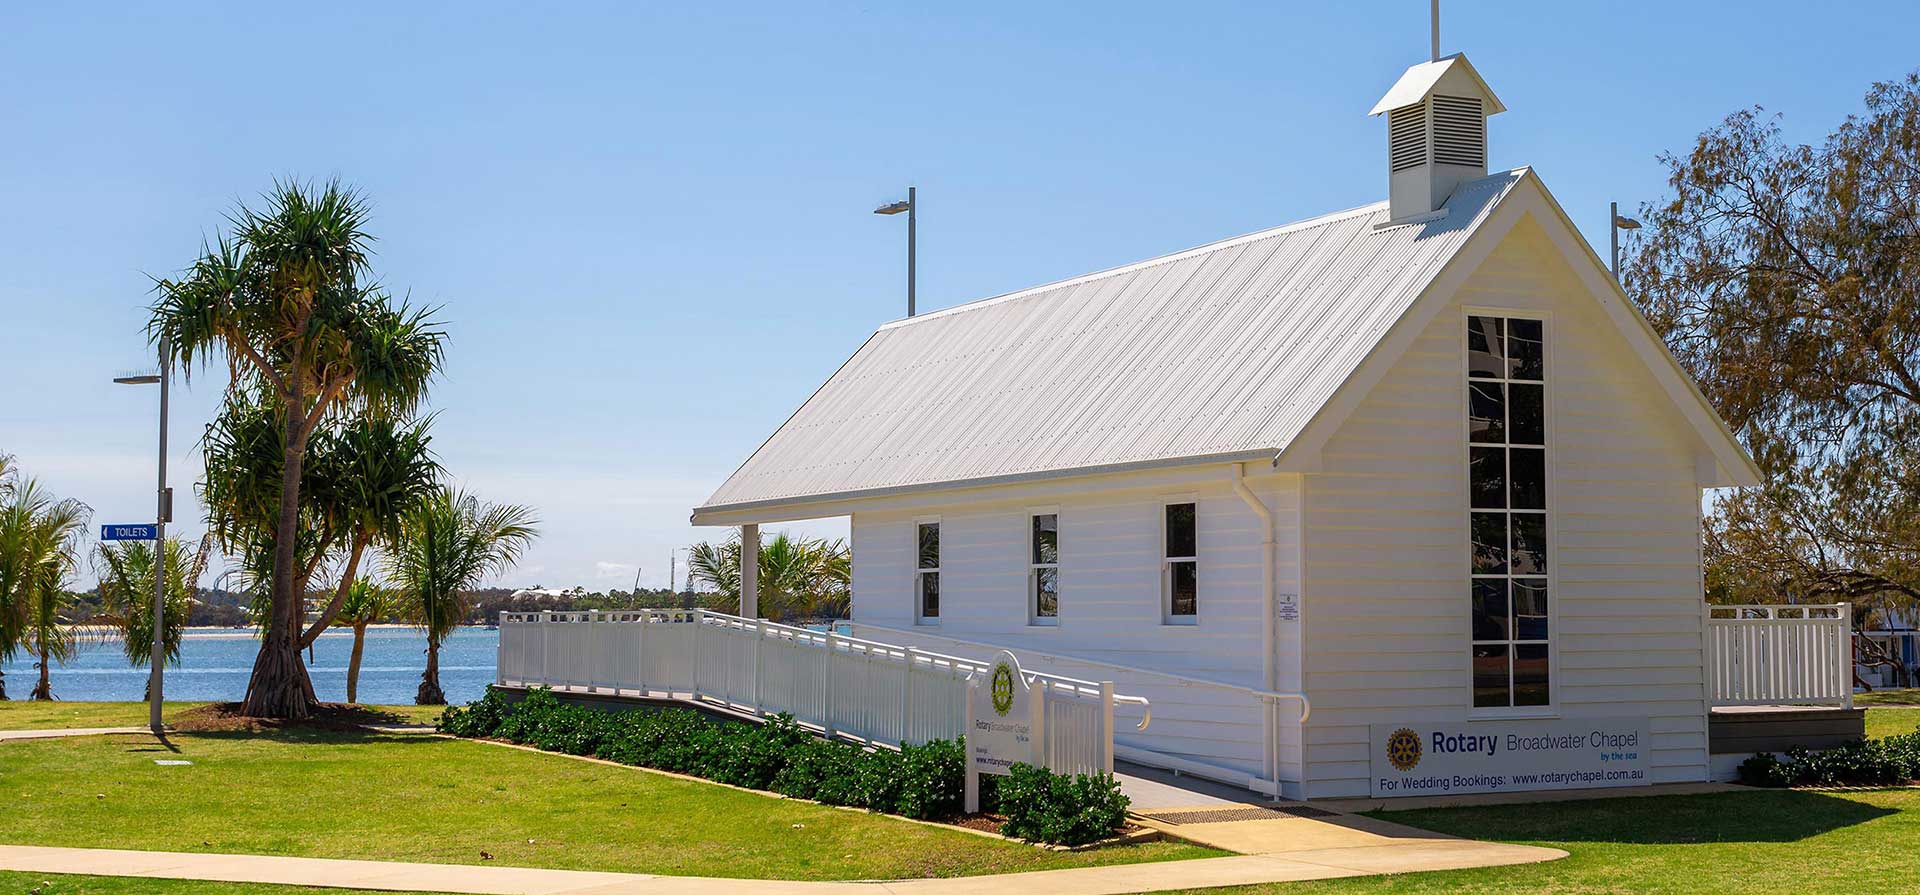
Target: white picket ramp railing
<point>840,685</point>
<point>1780,655</point>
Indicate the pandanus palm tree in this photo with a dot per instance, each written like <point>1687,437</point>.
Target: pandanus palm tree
<point>367,603</point>
<point>798,576</point>
<point>39,549</point>
<point>362,475</point>
<point>126,573</point>
<point>288,301</point>
<point>449,544</point>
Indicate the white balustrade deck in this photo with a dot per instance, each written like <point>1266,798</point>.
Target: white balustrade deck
<point>1780,655</point>
<point>843,686</point>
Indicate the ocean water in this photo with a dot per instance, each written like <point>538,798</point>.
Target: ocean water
<point>215,662</point>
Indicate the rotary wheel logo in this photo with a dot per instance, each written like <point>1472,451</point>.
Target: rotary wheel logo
<point>1403,749</point>
<point>1003,688</point>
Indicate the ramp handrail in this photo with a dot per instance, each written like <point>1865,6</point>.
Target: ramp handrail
<point>847,686</point>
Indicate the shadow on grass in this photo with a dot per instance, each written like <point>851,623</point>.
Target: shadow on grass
<point>1756,816</point>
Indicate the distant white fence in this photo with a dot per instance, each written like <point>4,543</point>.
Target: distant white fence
<point>1780,655</point>
<point>842,686</point>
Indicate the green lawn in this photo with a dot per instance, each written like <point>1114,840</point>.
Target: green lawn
<point>1889,721</point>
<point>412,797</point>
<point>1743,842</point>
<point>1909,697</point>
<point>67,884</point>
<point>20,714</point>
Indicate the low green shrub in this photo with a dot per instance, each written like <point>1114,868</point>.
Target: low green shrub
<point>925,781</point>
<point>1766,769</point>
<point>479,718</point>
<point>1889,760</point>
<point>1042,806</point>
<point>932,780</point>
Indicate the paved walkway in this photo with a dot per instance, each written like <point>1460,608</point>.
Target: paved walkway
<point>65,732</point>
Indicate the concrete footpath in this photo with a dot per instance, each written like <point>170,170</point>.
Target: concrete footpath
<point>1305,864</point>
<point>53,732</point>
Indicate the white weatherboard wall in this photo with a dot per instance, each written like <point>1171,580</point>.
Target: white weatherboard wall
<point>1110,595</point>
<point>1386,594</point>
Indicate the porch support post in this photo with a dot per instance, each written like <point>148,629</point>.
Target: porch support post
<point>750,570</point>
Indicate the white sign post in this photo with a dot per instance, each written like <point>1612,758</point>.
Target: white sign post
<point>1420,759</point>
<point>1006,720</point>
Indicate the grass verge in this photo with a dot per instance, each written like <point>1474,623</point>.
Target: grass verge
<point>1908,697</point>
<point>74,884</point>
<point>411,797</point>
<point>1806,843</point>
<point>25,715</point>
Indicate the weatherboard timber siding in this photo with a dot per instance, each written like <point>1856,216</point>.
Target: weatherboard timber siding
<point>1386,557</point>
<point>1110,600</point>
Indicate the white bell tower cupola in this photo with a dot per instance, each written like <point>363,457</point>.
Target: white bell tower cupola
<point>1436,133</point>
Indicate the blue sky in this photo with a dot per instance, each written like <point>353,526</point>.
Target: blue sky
<point>650,224</point>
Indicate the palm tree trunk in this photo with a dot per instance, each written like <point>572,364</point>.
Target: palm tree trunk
<point>361,537</point>
<point>45,689</point>
<point>3,686</point>
<point>430,693</point>
<point>279,686</point>
<point>353,662</point>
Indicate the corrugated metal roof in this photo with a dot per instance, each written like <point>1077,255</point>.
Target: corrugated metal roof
<point>1224,350</point>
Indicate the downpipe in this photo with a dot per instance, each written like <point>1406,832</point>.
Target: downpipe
<point>1237,475</point>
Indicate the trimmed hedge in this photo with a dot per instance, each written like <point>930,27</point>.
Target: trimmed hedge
<point>1893,760</point>
<point>1042,806</point>
<point>924,782</point>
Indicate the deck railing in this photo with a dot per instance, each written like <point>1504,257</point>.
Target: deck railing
<point>1780,655</point>
<point>842,686</point>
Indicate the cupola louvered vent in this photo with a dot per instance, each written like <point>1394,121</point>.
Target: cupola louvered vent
<point>1459,132</point>
<point>1436,134</point>
<point>1406,137</point>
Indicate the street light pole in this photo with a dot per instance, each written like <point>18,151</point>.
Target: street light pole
<point>912,210</point>
<point>1615,224</point>
<point>163,513</point>
<point>910,205</point>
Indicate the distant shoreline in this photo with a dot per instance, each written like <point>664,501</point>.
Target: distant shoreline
<point>205,632</point>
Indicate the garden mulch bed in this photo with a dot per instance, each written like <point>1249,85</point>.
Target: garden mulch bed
<point>225,717</point>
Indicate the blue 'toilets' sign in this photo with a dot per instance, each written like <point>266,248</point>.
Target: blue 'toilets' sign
<point>129,532</point>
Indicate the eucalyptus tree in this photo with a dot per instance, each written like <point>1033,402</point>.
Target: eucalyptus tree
<point>39,549</point>
<point>367,603</point>
<point>799,577</point>
<point>287,300</point>
<point>449,544</point>
<point>1786,279</point>
<point>126,571</point>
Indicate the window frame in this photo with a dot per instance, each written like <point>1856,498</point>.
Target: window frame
<point>1034,567</point>
<point>1167,617</point>
<point>1552,709</point>
<point>920,573</point>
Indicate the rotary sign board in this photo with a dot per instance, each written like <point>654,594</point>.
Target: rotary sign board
<point>1001,724</point>
<point>1427,759</point>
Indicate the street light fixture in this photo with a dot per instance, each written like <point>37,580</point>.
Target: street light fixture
<point>163,513</point>
<point>907,205</point>
<point>1617,223</point>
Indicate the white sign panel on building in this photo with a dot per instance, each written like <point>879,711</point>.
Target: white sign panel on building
<point>1420,759</point>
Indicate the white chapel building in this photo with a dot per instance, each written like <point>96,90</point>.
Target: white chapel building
<point>1416,462</point>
